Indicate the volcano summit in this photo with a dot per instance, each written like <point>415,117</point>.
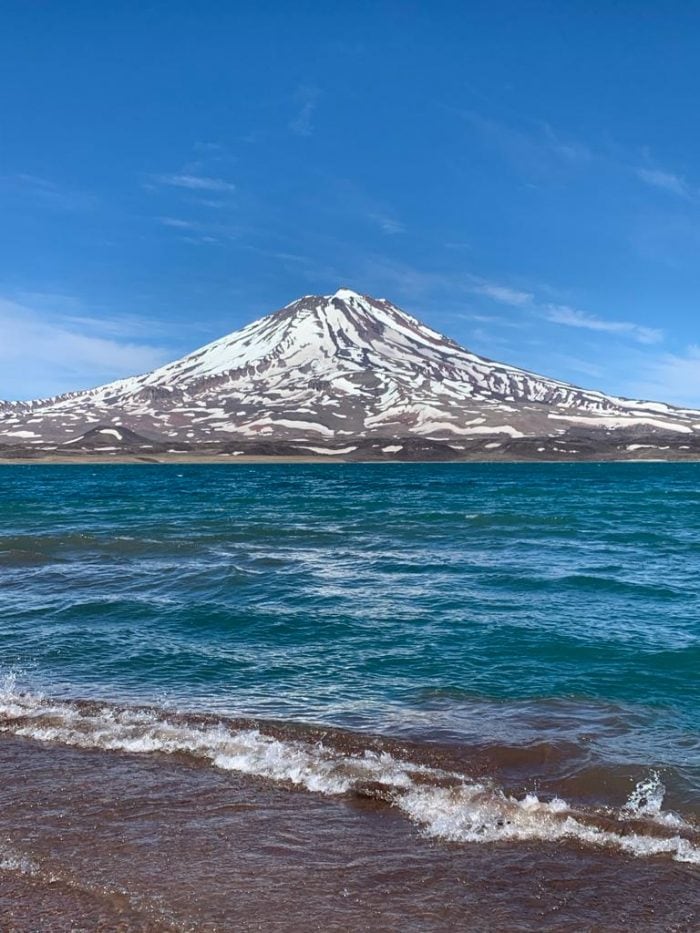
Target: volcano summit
<point>346,376</point>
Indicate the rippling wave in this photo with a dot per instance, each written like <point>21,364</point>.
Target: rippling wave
<point>444,803</point>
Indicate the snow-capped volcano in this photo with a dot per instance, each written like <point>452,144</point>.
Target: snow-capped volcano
<point>336,369</point>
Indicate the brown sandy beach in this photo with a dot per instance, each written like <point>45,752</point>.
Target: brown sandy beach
<point>99,840</point>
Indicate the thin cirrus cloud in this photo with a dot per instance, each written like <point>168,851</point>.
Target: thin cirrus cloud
<point>566,315</point>
<point>572,317</point>
<point>47,193</point>
<point>178,224</point>
<point>194,182</point>
<point>535,148</point>
<point>59,353</point>
<point>306,98</point>
<point>538,148</point>
<point>667,181</point>
<point>674,377</point>
<point>194,231</point>
<point>386,223</point>
<point>504,294</point>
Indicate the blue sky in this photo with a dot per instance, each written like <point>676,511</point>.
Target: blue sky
<point>523,176</point>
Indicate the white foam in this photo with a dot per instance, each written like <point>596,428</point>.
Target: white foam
<point>13,861</point>
<point>477,813</point>
<point>445,805</point>
<point>646,801</point>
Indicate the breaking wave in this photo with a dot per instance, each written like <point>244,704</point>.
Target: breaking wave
<point>445,804</point>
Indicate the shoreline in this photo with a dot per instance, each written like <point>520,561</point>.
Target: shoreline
<point>127,849</point>
<point>295,848</point>
<point>176,459</point>
<point>338,757</point>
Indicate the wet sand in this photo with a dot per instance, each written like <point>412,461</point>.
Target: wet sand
<point>93,839</point>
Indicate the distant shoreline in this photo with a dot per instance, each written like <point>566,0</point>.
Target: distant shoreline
<point>223,459</point>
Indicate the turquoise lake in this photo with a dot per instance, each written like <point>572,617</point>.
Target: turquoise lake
<point>497,605</point>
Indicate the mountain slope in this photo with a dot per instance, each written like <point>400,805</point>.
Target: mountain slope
<point>333,369</point>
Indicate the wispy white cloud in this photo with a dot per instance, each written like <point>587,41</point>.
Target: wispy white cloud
<point>571,150</point>
<point>200,231</point>
<point>535,148</point>
<point>178,223</point>
<point>667,181</point>
<point>565,314</point>
<point>572,317</point>
<point>538,149</point>
<point>310,267</point>
<point>391,277</point>
<point>43,354</point>
<point>193,182</point>
<point>306,99</point>
<point>345,198</point>
<point>591,370</point>
<point>672,377</point>
<point>386,223</point>
<point>504,294</point>
<point>512,322</point>
<point>48,193</point>
<point>407,281</point>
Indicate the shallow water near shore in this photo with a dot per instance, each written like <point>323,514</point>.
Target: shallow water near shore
<point>478,665</point>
